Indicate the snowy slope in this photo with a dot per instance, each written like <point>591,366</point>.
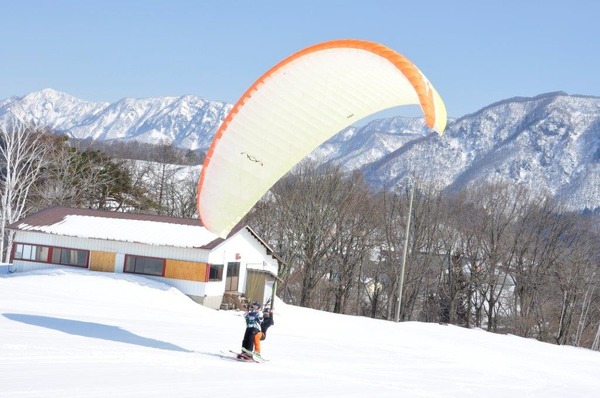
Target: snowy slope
<point>71,333</point>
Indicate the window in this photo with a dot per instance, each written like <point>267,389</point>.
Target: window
<point>31,252</point>
<point>74,257</point>
<point>54,255</point>
<point>144,265</point>
<point>216,272</point>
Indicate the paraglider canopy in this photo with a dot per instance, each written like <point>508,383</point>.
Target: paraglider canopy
<point>292,109</point>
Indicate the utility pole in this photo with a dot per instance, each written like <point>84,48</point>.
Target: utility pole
<point>400,286</point>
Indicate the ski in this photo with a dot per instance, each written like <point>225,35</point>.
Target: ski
<point>256,357</point>
<point>234,357</point>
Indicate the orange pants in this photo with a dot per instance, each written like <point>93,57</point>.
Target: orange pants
<point>257,338</point>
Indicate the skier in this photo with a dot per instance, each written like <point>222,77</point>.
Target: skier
<point>266,323</point>
<point>254,318</point>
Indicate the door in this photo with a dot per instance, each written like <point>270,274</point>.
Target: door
<point>233,277</point>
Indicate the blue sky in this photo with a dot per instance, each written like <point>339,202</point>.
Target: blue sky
<point>474,52</point>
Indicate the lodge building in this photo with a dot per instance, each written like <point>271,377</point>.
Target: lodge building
<point>180,252</point>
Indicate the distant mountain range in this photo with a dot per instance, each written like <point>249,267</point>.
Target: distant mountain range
<point>187,122</point>
<point>551,142</point>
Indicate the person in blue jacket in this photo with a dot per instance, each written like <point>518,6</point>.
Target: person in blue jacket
<point>254,318</point>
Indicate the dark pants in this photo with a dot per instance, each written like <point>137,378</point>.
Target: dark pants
<point>248,342</point>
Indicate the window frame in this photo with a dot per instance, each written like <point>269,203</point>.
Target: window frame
<point>219,270</point>
<point>31,248</point>
<point>134,256</point>
<point>49,254</point>
<point>61,249</point>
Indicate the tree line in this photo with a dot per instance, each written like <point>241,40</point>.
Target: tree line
<point>492,256</point>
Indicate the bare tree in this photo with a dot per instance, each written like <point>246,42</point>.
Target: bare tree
<point>573,272</point>
<point>22,156</point>
<point>501,205</point>
<point>318,196</point>
<point>424,254</point>
<point>161,179</point>
<point>55,187</point>
<point>353,242</point>
<point>179,197</point>
<point>164,174</point>
<point>394,223</point>
<point>462,241</point>
<point>373,277</point>
<point>537,239</point>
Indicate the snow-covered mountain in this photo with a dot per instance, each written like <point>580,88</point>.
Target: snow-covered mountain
<point>550,142</point>
<point>187,122</point>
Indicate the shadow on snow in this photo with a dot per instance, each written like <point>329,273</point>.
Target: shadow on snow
<point>93,330</point>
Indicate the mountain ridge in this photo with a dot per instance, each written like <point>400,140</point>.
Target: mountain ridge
<point>550,142</point>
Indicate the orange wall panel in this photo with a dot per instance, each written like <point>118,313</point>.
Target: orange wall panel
<point>102,261</point>
<point>186,270</point>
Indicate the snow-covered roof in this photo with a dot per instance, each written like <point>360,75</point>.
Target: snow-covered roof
<point>127,227</point>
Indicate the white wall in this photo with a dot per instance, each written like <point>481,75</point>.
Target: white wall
<point>252,255</point>
<point>179,253</point>
<point>243,247</point>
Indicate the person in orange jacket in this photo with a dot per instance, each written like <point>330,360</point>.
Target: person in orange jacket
<point>265,324</point>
